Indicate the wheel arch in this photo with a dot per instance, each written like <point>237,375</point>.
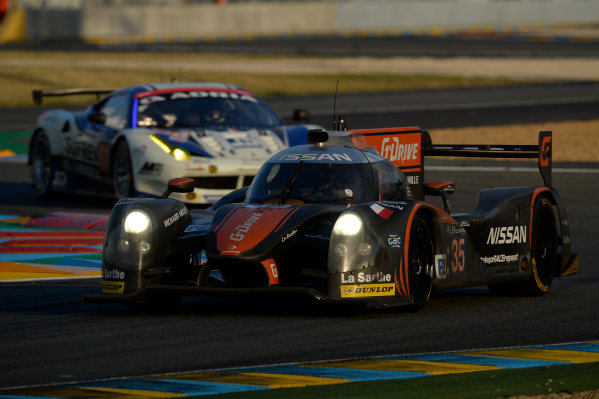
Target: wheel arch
<point>38,130</point>
<point>113,148</point>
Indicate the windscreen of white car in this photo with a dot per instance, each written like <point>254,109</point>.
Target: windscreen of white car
<point>206,108</point>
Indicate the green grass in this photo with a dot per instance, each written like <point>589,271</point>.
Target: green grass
<point>24,71</point>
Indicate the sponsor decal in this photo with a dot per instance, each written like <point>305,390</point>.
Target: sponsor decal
<point>455,229</point>
<point>151,168</point>
<point>239,231</point>
<point>273,271</point>
<point>244,142</point>
<point>365,290</point>
<point>403,153</point>
<point>398,206</point>
<point>164,96</point>
<point>494,259</point>
<point>413,179</point>
<point>441,268</point>
<point>382,211</point>
<point>176,216</point>
<point>113,287</point>
<point>113,274</point>
<point>361,277</point>
<point>394,241</point>
<point>545,152</point>
<point>318,236</point>
<point>332,157</point>
<point>507,235</point>
<point>288,235</point>
<point>179,136</point>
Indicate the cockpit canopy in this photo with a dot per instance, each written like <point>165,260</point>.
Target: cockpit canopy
<point>311,174</point>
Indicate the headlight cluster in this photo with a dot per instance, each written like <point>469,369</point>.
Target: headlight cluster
<point>130,243</point>
<point>179,154</point>
<point>351,247</point>
<point>136,222</point>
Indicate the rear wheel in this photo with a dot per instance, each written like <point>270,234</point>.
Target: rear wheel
<point>42,173</point>
<point>544,255</point>
<point>544,248</point>
<point>420,262</point>
<point>122,177</point>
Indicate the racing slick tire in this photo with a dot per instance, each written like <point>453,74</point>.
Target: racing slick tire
<point>544,254</point>
<point>122,172</point>
<point>420,263</point>
<point>42,173</point>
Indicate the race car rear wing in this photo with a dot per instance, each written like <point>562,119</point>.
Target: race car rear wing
<point>406,147</point>
<point>38,95</point>
<point>542,152</point>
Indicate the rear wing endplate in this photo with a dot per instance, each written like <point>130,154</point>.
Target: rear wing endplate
<point>38,95</point>
<point>542,152</point>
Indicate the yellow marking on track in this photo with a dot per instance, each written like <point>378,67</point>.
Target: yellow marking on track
<point>128,393</point>
<point>90,393</point>
<point>294,381</point>
<point>17,219</point>
<point>6,153</point>
<point>271,380</point>
<point>542,354</point>
<point>10,271</point>
<point>15,267</point>
<point>422,366</point>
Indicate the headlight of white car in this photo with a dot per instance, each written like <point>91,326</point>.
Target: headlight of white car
<point>179,154</point>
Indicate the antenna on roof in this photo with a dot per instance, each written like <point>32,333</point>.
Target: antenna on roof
<point>334,107</point>
<point>339,124</point>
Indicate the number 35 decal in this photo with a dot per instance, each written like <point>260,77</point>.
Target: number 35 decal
<point>458,258</point>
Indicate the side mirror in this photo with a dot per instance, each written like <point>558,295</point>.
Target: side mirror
<point>301,115</point>
<point>441,188</point>
<point>179,185</point>
<point>97,118</point>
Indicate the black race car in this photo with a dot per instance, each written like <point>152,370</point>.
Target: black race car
<point>342,219</point>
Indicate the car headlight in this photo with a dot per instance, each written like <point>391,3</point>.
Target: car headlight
<point>348,224</point>
<point>136,222</point>
<point>178,153</point>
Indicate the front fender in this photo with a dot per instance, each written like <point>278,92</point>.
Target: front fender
<point>140,235</point>
<point>55,124</point>
<point>366,248</point>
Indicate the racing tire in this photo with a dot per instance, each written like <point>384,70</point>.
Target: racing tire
<point>544,254</point>
<point>420,263</point>
<point>42,172</point>
<point>122,172</point>
<point>544,248</point>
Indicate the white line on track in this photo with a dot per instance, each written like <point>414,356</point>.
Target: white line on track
<point>516,169</point>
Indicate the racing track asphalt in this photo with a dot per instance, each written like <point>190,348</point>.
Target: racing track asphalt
<point>48,336</point>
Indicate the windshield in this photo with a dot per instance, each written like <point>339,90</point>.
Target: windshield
<point>204,108</point>
<point>313,183</point>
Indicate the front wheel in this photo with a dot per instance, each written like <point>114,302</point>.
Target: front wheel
<point>42,173</point>
<point>122,173</point>
<point>420,262</point>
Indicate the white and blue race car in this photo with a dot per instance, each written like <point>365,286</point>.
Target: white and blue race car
<point>133,140</point>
